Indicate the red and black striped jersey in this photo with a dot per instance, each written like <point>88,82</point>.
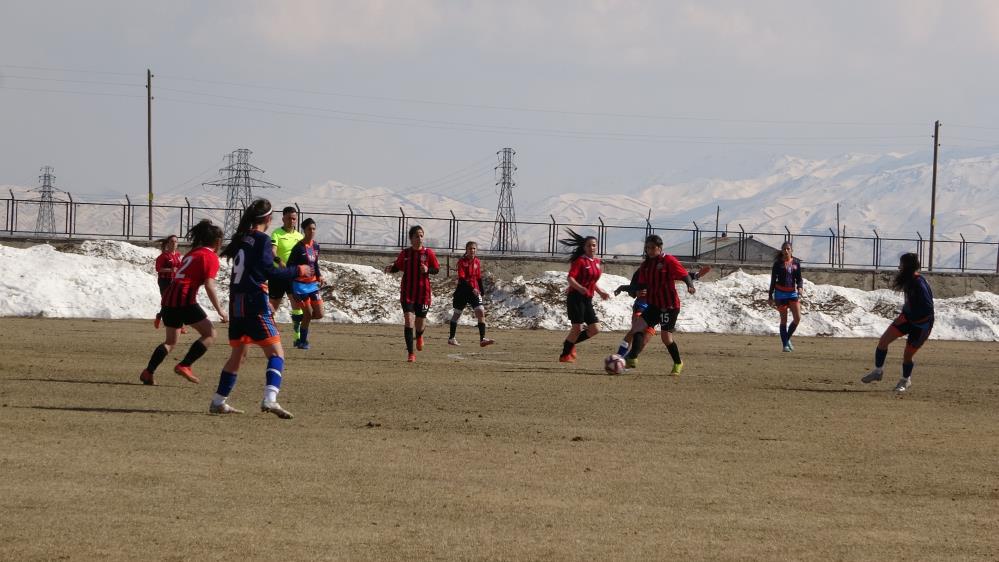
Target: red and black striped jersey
<point>415,287</point>
<point>167,260</point>
<point>658,276</point>
<point>197,266</point>
<point>470,272</point>
<point>585,270</point>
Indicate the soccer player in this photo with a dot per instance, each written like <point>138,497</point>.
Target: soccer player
<point>251,318</point>
<point>469,292</point>
<point>305,288</point>
<point>583,275</point>
<point>657,277</point>
<point>180,305</point>
<point>284,239</point>
<point>637,308</point>
<point>167,264</point>
<point>785,292</point>
<point>417,263</point>
<point>915,321</point>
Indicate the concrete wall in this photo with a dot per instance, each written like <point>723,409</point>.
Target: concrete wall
<point>945,285</point>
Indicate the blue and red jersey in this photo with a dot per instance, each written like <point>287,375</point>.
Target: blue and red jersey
<point>918,305</point>
<point>470,273</point>
<point>305,254</point>
<point>785,276</point>
<point>199,265</point>
<point>415,286</point>
<point>586,271</point>
<point>252,266</point>
<point>658,276</point>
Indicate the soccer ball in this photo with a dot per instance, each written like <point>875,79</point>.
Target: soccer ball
<point>614,364</point>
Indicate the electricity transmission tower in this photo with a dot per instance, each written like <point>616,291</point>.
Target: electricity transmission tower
<point>239,184</point>
<point>505,227</point>
<point>45,223</point>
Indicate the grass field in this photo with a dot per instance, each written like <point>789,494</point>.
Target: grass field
<point>495,454</point>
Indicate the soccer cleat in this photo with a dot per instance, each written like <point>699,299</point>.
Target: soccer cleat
<point>276,409</point>
<point>874,376</point>
<point>146,377</point>
<point>630,363</point>
<point>677,369</point>
<point>156,323</point>
<point>419,343</point>
<point>186,372</point>
<point>566,359</point>
<point>296,343</point>
<point>411,358</point>
<point>791,345</point>
<point>303,345</point>
<point>453,341</point>
<point>788,348</point>
<point>223,408</point>
<point>903,384</point>
<point>486,341</point>
<point>572,353</point>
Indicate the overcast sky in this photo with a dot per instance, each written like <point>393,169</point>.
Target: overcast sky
<point>596,96</point>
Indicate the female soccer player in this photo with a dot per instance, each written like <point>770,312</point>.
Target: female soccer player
<point>417,263</point>
<point>167,264</point>
<point>637,308</point>
<point>915,321</point>
<point>250,314</point>
<point>786,291</point>
<point>657,277</point>
<point>305,288</point>
<point>583,275</point>
<point>180,305</point>
<point>469,292</point>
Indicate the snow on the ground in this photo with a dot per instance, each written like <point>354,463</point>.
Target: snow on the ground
<point>112,279</point>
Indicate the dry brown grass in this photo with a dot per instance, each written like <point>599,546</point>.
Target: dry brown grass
<point>501,454</point>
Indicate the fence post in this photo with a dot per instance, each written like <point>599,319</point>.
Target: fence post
<point>648,224</point>
<point>919,247</point>
<point>13,212</point>
<point>832,248</point>
<point>601,242</point>
<point>552,236</point>
<point>787,236</point>
<point>298,212</point>
<point>350,226</point>
<point>69,215</point>
<point>695,245</point>
<point>452,235</point>
<point>877,249</point>
<point>126,211</point>
<point>402,228</point>
<point>963,254</point>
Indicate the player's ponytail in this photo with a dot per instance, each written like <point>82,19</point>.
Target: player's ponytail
<point>575,242</point>
<point>256,213</point>
<point>908,266</point>
<point>205,233</point>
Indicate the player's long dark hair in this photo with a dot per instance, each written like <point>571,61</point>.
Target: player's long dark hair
<point>255,214</point>
<point>576,242</point>
<point>909,266</point>
<point>164,241</point>
<point>780,253</point>
<point>205,233</point>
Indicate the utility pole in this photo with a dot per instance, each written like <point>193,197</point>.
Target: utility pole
<point>505,226</point>
<point>239,184</point>
<point>933,196</point>
<point>149,143</point>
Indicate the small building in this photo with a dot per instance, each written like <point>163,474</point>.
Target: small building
<point>724,248</point>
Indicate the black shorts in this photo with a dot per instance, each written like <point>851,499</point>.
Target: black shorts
<point>580,309</point>
<point>164,284</point>
<point>178,317</point>
<point>278,288</point>
<point>665,319</point>
<point>917,332</point>
<point>420,310</point>
<point>465,296</point>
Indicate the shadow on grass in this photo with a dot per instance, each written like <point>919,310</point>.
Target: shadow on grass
<point>77,381</point>
<point>111,410</point>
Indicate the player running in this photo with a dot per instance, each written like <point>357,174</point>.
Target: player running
<point>915,321</point>
<point>167,264</point>
<point>583,275</point>
<point>785,292</point>
<point>469,293</point>
<point>250,314</point>
<point>305,288</point>
<point>417,263</point>
<point>284,239</point>
<point>180,304</point>
<point>657,277</point>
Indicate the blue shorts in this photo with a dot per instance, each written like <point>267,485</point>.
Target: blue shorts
<point>258,330</point>
<point>917,332</point>
<point>784,298</point>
